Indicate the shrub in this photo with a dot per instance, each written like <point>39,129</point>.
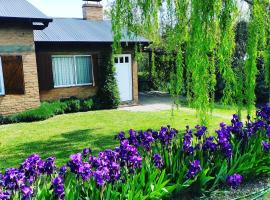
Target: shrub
<point>45,111</point>
<point>49,109</point>
<point>87,104</point>
<point>72,105</point>
<point>108,94</point>
<point>152,164</point>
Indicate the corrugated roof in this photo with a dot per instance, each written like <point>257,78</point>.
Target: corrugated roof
<point>21,9</point>
<point>79,30</point>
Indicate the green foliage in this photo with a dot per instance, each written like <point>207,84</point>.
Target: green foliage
<point>108,95</point>
<point>48,110</point>
<point>73,105</point>
<point>256,43</point>
<point>199,38</point>
<point>226,50</point>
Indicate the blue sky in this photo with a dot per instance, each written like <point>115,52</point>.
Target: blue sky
<point>73,8</point>
<point>61,8</point>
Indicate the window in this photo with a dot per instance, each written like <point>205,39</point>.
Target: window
<point>2,88</point>
<point>72,70</point>
<point>11,75</point>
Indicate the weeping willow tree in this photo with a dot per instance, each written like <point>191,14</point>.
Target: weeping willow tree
<point>256,46</point>
<point>199,36</point>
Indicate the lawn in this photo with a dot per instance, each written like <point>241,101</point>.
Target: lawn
<point>67,134</point>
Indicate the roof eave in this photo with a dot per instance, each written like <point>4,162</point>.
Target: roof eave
<point>26,19</point>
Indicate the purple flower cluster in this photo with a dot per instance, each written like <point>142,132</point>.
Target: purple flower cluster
<point>266,146</point>
<point>158,161</point>
<point>58,188</point>
<point>264,113</point>
<point>166,135</point>
<point>107,167</point>
<point>194,169</point>
<point>200,131</point>
<point>129,155</point>
<point>234,181</point>
<point>187,142</point>
<point>4,195</point>
<point>145,139</point>
<point>21,179</point>
<point>209,144</point>
<point>79,167</point>
<point>237,127</point>
<point>224,140</point>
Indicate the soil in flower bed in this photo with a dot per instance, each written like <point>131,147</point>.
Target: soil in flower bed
<point>255,189</point>
<point>258,189</point>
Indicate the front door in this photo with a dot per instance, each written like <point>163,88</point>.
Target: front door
<point>124,76</point>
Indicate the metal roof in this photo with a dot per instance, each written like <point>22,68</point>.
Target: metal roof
<point>79,30</point>
<point>21,10</point>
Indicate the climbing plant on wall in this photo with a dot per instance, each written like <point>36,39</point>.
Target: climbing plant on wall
<point>199,36</point>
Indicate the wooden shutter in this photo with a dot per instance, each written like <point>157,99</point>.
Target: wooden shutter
<point>95,69</point>
<point>45,74</point>
<point>13,74</point>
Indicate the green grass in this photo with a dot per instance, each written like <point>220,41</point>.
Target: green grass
<point>67,134</point>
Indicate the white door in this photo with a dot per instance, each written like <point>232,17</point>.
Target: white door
<point>124,76</point>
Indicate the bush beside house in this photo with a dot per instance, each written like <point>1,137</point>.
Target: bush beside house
<point>50,109</point>
<point>108,93</point>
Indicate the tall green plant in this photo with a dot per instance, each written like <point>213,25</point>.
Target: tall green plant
<point>255,45</point>
<point>108,93</point>
<point>199,36</point>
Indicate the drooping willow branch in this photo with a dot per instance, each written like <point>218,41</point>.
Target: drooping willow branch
<point>199,36</point>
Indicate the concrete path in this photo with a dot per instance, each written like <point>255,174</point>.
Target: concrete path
<point>155,101</point>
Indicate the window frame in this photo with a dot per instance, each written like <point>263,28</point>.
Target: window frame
<point>2,78</point>
<point>74,71</point>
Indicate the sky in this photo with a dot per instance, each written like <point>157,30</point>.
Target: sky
<point>73,8</point>
<point>61,8</point>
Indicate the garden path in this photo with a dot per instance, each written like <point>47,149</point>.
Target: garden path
<point>157,101</point>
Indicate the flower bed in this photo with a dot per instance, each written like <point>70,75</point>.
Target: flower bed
<point>150,165</point>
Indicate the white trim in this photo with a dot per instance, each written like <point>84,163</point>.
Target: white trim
<point>2,79</point>
<point>74,71</point>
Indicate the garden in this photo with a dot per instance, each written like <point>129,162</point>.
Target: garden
<point>208,52</point>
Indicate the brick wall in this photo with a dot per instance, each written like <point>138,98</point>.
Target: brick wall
<point>61,93</point>
<point>12,35</point>
<point>92,11</point>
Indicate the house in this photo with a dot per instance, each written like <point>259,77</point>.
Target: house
<point>44,59</point>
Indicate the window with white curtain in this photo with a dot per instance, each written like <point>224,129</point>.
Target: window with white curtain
<point>2,87</point>
<point>72,70</point>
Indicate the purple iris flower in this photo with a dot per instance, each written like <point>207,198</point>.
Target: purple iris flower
<point>268,131</point>
<point>62,170</point>
<point>194,169</point>
<point>49,165</point>
<point>200,131</point>
<point>86,152</point>
<point>27,192</point>
<point>146,140</point>
<point>266,146</point>
<point>32,167</point>
<point>120,136</point>
<point>187,142</point>
<point>166,135</point>
<point>209,144</point>
<point>264,113</point>
<point>14,179</point>
<point>2,182</point>
<point>58,188</point>
<point>158,161</point>
<point>224,137</point>
<point>4,195</point>
<point>234,181</point>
